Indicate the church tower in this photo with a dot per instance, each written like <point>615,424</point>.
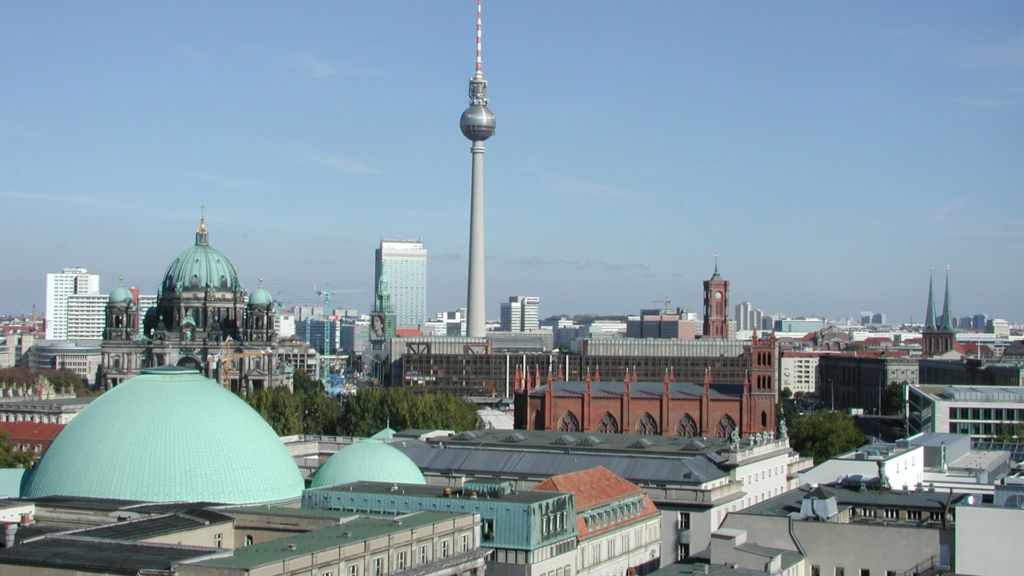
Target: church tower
<point>716,303</point>
<point>937,338</point>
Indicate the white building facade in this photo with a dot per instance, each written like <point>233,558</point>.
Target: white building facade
<point>86,316</point>
<point>59,286</point>
<point>404,264</point>
<point>521,314</point>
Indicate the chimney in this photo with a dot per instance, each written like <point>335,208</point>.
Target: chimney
<point>10,530</point>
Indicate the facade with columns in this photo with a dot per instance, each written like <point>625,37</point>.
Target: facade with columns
<point>667,407</point>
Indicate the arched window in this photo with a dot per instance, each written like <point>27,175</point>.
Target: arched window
<point>608,424</point>
<point>538,420</point>
<point>764,419</point>
<point>725,427</point>
<point>647,425</point>
<point>687,426</point>
<point>569,423</point>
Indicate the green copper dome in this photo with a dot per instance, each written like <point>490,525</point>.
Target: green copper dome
<point>368,460</point>
<point>260,297</point>
<point>120,295</point>
<point>200,268</point>
<point>168,434</point>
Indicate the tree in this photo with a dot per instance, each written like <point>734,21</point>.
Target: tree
<point>892,398</point>
<point>823,434</point>
<point>11,458</point>
<point>308,409</point>
<point>280,408</point>
<point>1009,432</point>
<point>15,376</point>
<point>374,408</point>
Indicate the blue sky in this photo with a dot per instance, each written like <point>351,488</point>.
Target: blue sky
<point>830,153</point>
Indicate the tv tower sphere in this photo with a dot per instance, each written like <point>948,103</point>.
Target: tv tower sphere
<point>477,123</point>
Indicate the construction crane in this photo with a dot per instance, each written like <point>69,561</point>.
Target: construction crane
<point>223,360</point>
<point>667,303</point>
<point>326,294</point>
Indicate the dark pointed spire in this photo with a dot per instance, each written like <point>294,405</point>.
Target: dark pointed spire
<point>929,315</point>
<point>947,316</point>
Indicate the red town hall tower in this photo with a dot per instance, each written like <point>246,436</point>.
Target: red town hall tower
<point>716,302</point>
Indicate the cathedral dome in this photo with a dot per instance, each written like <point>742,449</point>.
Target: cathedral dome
<point>260,297</point>
<point>120,295</point>
<point>200,267</point>
<point>368,460</point>
<point>168,434</point>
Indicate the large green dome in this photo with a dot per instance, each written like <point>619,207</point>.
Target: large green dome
<point>168,434</point>
<point>368,460</point>
<point>200,267</point>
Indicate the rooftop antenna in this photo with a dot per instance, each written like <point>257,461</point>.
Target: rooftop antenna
<point>479,26</point>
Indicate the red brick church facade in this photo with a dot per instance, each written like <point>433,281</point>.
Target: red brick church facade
<point>667,408</point>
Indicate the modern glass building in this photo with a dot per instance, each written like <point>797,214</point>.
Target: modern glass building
<point>404,264</point>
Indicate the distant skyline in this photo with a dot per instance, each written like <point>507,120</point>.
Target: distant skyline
<point>830,153</point>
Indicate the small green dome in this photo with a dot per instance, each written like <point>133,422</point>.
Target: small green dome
<point>200,267</point>
<point>168,434</point>
<point>120,295</point>
<point>368,460</point>
<point>260,297</point>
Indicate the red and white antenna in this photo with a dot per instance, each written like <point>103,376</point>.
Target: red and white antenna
<point>479,20</point>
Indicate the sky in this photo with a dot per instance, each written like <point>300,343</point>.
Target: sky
<point>829,153</point>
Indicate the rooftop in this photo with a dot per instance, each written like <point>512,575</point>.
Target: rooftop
<point>1013,394</point>
<point>430,491</point>
<point>109,557</point>
<point>789,502</point>
<point>353,531</point>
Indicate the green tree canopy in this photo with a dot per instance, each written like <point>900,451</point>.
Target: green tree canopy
<point>823,434</point>
<point>374,408</point>
<point>308,409</point>
<point>9,458</point>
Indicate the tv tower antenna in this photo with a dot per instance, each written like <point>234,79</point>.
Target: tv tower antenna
<point>477,124</point>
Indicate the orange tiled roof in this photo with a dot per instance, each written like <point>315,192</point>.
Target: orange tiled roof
<point>594,488</point>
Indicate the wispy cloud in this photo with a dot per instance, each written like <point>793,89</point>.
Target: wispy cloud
<point>81,200</point>
<point>302,152</point>
<point>315,67</point>
<point>227,182</point>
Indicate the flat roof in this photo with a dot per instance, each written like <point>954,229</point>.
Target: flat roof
<point>144,528</point>
<point>92,555</point>
<point>789,502</point>
<point>355,530</point>
<point>431,491</point>
<point>984,394</point>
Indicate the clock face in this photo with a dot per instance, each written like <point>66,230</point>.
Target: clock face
<point>718,295</point>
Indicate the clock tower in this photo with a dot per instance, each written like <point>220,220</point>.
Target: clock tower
<point>716,303</point>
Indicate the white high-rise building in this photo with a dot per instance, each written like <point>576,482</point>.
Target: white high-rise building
<point>60,285</point>
<point>86,316</point>
<point>404,264</point>
<point>520,314</point>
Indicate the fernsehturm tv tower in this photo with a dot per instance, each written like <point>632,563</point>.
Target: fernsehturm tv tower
<point>477,124</point>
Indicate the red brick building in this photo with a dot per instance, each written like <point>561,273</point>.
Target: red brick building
<point>665,407</point>
<point>28,436</point>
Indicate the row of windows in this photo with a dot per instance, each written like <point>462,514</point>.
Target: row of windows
<point>1001,414</point>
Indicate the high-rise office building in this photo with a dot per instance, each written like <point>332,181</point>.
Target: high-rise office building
<point>404,263</point>
<point>60,285</point>
<point>86,316</point>
<point>521,314</point>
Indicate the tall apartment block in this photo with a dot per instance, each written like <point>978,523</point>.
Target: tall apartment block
<point>404,264</point>
<point>59,286</point>
<point>521,314</point>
